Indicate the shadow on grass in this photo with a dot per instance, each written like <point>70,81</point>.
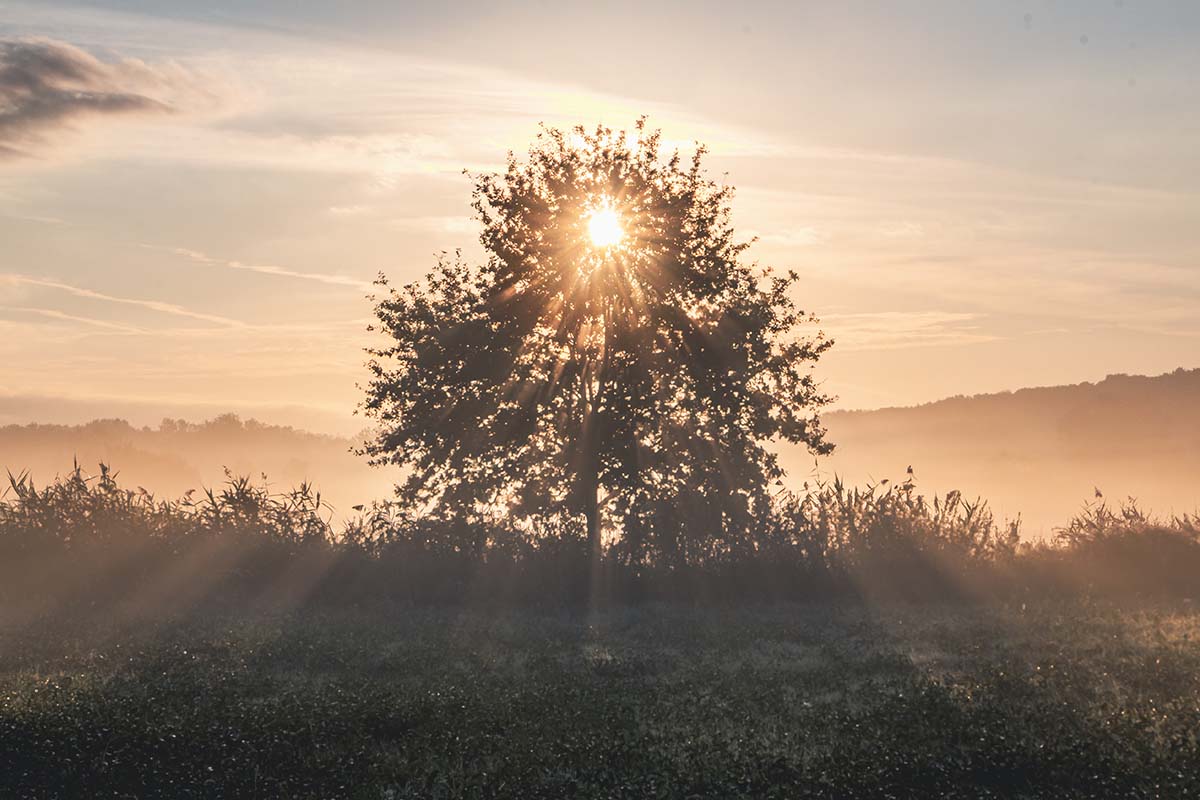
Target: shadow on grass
<point>788,701</point>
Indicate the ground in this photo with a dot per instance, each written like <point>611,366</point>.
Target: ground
<point>1035,700</point>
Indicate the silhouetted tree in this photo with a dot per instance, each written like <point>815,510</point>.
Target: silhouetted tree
<point>613,360</point>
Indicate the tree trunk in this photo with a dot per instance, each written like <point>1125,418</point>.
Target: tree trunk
<point>590,497</point>
<point>591,500</point>
<point>589,485</point>
<point>588,489</point>
<point>590,472</point>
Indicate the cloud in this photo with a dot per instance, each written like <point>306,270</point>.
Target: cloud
<point>34,218</point>
<point>48,86</point>
<point>150,305</point>
<point>264,269</point>
<point>458,224</point>
<point>904,229</point>
<point>803,236</point>
<point>891,330</point>
<point>62,316</point>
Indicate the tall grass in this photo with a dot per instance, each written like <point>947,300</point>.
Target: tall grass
<point>1124,550</point>
<point>85,539</point>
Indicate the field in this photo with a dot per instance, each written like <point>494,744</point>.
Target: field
<point>1067,699</point>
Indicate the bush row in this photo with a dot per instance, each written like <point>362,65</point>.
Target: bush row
<point>87,540</point>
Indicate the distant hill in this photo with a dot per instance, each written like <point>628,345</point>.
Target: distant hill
<point>177,456</point>
<point>1039,452</point>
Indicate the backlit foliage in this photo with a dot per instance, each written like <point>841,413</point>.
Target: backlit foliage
<point>635,385</point>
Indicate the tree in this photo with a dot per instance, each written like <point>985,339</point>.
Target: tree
<point>614,359</point>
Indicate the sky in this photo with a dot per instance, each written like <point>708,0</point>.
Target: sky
<point>196,197</point>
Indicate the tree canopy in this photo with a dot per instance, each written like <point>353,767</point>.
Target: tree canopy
<point>614,365</point>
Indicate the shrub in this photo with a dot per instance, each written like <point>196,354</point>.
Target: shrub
<point>1127,551</point>
<point>85,540</point>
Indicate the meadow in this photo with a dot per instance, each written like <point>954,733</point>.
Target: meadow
<point>1063,699</point>
<point>865,643</point>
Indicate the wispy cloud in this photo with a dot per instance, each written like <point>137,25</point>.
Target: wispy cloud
<point>263,269</point>
<point>904,229</point>
<point>34,218</point>
<point>47,86</point>
<point>889,330</point>
<point>802,236</point>
<point>150,305</point>
<point>62,316</point>
<point>442,224</point>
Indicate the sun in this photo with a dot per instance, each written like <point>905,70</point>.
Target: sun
<point>604,227</point>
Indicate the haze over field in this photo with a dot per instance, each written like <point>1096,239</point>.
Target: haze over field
<point>1040,453</point>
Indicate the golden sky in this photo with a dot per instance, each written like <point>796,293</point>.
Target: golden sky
<point>195,197</point>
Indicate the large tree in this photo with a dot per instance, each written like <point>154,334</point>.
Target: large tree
<point>614,360</point>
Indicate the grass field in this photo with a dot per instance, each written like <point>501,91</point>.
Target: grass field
<point>783,701</point>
